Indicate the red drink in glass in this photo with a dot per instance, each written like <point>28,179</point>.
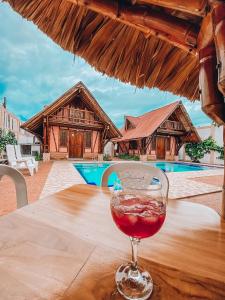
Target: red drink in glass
<point>138,217</point>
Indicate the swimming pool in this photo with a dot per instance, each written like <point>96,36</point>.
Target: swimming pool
<point>92,172</point>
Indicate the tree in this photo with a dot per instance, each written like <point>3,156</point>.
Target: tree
<point>6,138</point>
<point>196,151</point>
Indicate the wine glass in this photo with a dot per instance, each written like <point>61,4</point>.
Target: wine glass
<point>139,211</point>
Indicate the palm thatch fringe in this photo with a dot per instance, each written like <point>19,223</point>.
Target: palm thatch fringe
<point>114,48</point>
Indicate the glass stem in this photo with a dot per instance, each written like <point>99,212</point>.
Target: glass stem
<point>134,245</point>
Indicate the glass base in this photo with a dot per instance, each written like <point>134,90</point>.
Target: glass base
<point>133,284</point>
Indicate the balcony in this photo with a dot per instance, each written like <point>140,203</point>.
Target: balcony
<point>172,126</point>
<point>75,117</point>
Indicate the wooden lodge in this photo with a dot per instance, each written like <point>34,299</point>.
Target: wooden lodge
<point>73,126</point>
<point>159,134</point>
<point>174,45</point>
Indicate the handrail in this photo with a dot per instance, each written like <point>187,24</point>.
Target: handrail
<point>172,125</point>
<point>73,115</point>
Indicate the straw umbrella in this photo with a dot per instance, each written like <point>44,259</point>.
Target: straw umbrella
<point>174,45</point>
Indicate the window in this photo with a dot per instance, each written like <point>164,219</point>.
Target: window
<point>88,139</point>
<point>133,145</point>
<point>63,134</point>
<point>25,149</point>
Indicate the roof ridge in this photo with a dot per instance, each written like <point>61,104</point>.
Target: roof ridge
<point>65,98</point>
<point>170,104</point>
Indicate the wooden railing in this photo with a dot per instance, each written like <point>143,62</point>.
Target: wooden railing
<point>74,116</point>
<point>172,125</point>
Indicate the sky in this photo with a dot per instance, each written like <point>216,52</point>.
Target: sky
<point>34,71</point>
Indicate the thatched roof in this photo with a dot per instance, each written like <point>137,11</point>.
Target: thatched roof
<point>147,124</point>
<point>35,123</point>
<point>114,37</point>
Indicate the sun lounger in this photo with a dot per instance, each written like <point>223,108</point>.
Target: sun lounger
<point>18,164</point>
<point>20,157</point>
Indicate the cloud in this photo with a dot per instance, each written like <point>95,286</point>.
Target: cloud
<point>34,71</point>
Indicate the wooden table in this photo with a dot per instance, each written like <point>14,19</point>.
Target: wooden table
<point>66,247</point>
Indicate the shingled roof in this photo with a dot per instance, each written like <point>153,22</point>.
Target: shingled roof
<point>146,124</point>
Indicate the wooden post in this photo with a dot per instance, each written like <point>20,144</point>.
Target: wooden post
<point>44,135</point>
<point>218,17</point>
<point>47,136</point>
<point>223,189</point>
<point>195,7</point>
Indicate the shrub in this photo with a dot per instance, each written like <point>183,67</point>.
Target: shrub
<point>128,157</point>
<point>38,156</point>
<point>196,151</point>
<point>6,138</point>
<point>107,157</point>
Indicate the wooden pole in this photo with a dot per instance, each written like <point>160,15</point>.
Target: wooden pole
<point>218,17</point>
<point>194,7</point>
<point>44,135</point>
<point>211,47</point>
<point>47,135</point>
<point>177,32</point>
<point>223,190</point>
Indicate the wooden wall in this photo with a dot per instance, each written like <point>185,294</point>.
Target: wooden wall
<point>58,152</point>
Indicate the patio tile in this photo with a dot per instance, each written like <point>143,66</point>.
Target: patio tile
<point>34,183</point>
<point>62,176</point>
<point>182,184</point>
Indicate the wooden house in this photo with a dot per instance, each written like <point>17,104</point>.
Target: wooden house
<point>174,45</point>
<point>159,134</point>
<point>73,126</point>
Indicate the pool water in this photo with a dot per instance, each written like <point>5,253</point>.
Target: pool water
<point>92,172</point>
<point>178,167</point>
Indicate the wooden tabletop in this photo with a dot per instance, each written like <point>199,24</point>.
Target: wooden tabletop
<point>66,247</point>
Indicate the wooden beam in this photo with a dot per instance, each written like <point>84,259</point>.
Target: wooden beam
<point>124,146</point>
<point>148,142</point>
<point>218,20</point>
<point>212,99</point>
<point>223,190</point>
<point>194,7</point>
<point>48,133</point>
<point>95,141</point>
<point>53,133</point>
<point>175,31</point>
<point>44,135</point>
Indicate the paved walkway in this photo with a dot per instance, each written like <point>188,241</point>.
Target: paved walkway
<point>201,187</point>
<point>62,175</point>
<point>214,180</point>
<point>34,183</point>
<point>182,184</point>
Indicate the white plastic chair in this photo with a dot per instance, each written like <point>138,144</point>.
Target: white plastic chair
<point>18,164</point>
<point>20,183</point>
<point>29,158</point>
<point>137,169</point>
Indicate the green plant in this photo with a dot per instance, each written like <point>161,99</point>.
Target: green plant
<point>107,157</point>
<point>196,151</point>
<point>6,138</point>
<point>221,153</point>
<point>38,156</point>
<point>128,157</point>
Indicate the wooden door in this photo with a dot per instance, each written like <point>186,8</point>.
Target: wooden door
<point>160,147</point>
<point>76,144</point>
